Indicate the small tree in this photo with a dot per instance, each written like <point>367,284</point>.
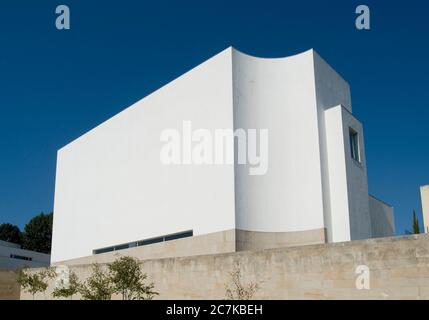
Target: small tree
<point>10,233</point>
<point>237,290</point>
<point>128,279</point>
<point>416,226</point>
<point>33,282</point>
<point>98,286</point>
<point>67,290</point>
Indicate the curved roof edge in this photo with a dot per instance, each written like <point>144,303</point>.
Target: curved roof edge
<point>271,58</point>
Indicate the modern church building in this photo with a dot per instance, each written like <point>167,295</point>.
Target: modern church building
<point>116,193</point>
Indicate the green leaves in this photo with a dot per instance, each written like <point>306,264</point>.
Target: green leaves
<point>67,291</point>
<point>129,280</point>
<point>34,282</point>
<point>10,233</point>
<point>38,233</point>
<point>124,276</point>
<point>416,226</point>
<point>98,286</point>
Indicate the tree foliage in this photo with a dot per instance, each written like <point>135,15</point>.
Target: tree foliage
<point>129,280</point>
<point>123,276</point>
<point>97,286</point>
<point>38,233</point>
<point>416,226</point>
<point>68,290</point>
<point>34,282</point>
<point>10,233</point>
<point>236,290</point>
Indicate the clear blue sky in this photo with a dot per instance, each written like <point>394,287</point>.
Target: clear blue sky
<point>56,85</point>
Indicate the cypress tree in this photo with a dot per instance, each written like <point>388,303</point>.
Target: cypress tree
<point>416,227</point>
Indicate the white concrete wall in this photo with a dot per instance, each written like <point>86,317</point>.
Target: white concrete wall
<point>290,97</point>
<point>112,188</point>
<point>382,220</point>
<point>424,193</point>
<point>7,262</point>
<point>332,90</point>
<point>357,181</point>
<point>338,214</point>
<point>279,95</point>
<point>348,188</point>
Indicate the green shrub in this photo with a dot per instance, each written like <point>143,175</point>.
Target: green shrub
<point>129,280</point>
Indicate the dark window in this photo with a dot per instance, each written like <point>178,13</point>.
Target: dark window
<point>122,246</point>
<point>145,242</point>
<point>104,250</point>
<point>354,145</point>
<point>15,256</point>
<point>150,241</point>
<point>179,235</point>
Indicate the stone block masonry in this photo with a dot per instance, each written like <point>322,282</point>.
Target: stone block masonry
<point>399,269</point>
<point>9,288</point>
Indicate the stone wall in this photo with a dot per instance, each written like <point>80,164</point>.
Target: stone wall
<point>399,269</point>
<point>254,240</point>
<point>9,288</point>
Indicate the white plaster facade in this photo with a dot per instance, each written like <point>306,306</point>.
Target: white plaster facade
<point>424,193</point>
<point>13,257</point>
<point>112,188</point>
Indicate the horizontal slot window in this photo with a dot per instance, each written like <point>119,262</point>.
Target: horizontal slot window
<point>168,237</point>
<point>122,247</point>
<point>178,235</point>
<point>104,250</point>
<point>150,241</point>
<point>15,256</point>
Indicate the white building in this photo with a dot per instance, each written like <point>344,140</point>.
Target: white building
<point>424,193</point>
<point>113,191</point>
<point>13,257</point>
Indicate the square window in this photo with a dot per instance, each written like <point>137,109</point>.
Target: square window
<point>354,145</point>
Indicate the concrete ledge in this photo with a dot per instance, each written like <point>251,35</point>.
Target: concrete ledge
<point>213,243</point>
<point>255,240</point>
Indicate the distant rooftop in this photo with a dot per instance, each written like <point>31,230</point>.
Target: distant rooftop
<point>9,244</point>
